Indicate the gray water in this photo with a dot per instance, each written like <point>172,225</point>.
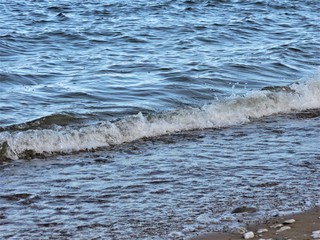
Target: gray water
<point>155,120</point>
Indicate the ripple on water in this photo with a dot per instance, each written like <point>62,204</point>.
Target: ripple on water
<point>191,183</point>
<point>72,70</point>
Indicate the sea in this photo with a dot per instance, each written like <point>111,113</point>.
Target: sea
<point>156,119</point>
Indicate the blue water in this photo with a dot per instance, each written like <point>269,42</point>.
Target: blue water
<point>155,119</point>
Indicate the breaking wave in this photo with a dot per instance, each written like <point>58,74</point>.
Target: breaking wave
<point>63,139</point>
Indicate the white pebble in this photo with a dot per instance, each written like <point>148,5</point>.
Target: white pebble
<point>284,229</point>
<point>315,234</point>
<point>248,235</point>
<point>242,230</point>
<point>289,221</point>
<point>277,225</point>
<point>262,230</point>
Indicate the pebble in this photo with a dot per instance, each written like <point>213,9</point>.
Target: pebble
<point>262,230</point>
<point>289,221</point>
<point>315,234</point>
<point>277,225</point>
<point>244,209</point>
<point>284,229</point>
<point>242,230</point>
<point>248,235</point>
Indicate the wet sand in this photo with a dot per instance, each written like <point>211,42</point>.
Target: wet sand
<point>305,223</point>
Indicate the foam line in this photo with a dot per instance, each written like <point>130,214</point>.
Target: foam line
<point>228,112</point>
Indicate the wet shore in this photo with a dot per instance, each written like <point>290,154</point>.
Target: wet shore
<point>305,225</point>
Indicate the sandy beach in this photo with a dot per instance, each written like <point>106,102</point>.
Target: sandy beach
<point>299,226</point>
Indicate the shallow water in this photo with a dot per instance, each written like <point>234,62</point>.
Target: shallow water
<point>170,187</point>
<point>155,120</point>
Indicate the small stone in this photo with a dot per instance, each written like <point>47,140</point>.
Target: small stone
<point>289,221</point>
<point>277,225</point>
<point>315,234</point>
<point>242,230</point>
<point>262,230</point>
<point>248,235</point>
<point>284,229</point>
<point>244,209</point>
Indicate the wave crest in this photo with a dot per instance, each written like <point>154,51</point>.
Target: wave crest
<point>228,112</point>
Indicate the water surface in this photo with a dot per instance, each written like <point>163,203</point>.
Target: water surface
<point>155,120</point>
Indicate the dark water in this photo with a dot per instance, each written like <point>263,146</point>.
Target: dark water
<point>155,119</point>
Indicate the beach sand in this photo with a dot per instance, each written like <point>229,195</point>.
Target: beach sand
<point>305,223</point>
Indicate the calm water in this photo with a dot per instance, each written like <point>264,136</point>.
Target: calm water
<point>155,119</point>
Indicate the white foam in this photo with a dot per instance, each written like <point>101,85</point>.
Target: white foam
<point>232,111</point>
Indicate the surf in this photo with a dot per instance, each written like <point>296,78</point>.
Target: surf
<point>29,142</point>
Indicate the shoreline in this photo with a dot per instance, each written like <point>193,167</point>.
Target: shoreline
<point>300,226</point>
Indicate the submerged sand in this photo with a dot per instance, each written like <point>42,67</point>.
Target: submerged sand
<point>301,229</point>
